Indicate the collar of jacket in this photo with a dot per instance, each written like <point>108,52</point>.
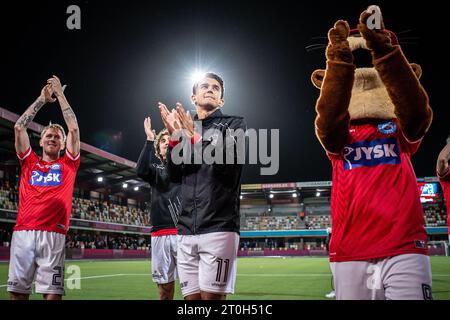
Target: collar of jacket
<point>208,119</point>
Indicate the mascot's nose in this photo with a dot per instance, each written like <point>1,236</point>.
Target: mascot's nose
<point>362,58</point>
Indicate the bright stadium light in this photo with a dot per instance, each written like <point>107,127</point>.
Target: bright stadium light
<point>241,197</point>
<point>197,75</point>
<point>100,179</point>
<point>271,196</point>
<point>136,188</point>
<point>125,185</point>
<point>317,194</point>
<point>294,195</point>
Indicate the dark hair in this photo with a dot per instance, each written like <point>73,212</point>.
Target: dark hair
<point>448,139</point>
<point>161,134</point>
<point>211,76</point>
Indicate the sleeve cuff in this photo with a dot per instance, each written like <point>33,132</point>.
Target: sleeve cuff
<point>411,142</point>
<point>196,138</point>
<point>22,156</point>
<point>447,173</point>
<point>71,156</point>
<point>173,143</point>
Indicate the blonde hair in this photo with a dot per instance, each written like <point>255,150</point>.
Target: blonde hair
<point>56,127</point>
<point>159,136</point>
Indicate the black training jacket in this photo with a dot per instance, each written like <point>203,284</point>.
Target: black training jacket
<point>210,192</point>
<point>165,195</point>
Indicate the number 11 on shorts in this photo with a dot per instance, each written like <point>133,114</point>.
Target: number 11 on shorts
<point>220,263</point>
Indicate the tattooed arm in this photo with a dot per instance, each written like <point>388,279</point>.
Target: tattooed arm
<point>73,136</point>
<point>22,141</point>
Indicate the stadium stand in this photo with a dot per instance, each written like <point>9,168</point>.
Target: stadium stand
<point>109,220</point>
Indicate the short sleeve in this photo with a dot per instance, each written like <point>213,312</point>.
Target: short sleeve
<point>72,160</point>
<point>406,145</point>
<point>27,157</point>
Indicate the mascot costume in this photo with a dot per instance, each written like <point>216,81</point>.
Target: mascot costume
<point>372,114</point>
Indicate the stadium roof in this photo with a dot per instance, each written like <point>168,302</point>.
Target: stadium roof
<point>95,162</point>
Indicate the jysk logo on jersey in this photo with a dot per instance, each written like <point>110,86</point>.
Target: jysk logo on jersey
<point>371,153</point>
<point>387,127</point>
<point>50,179</point>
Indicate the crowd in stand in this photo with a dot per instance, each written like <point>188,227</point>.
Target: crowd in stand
<point>92,241</point>
<point>83,209</point>
<point>112,213</point>
<point>5,238</point>
<point>9,196</point>
<point>272,223</point>
<point>434,214</point>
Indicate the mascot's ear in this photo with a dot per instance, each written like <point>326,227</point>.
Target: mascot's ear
<point>317,78</point>
<point>417,69</point>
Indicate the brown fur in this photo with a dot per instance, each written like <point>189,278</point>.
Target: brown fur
<point>389,90</point>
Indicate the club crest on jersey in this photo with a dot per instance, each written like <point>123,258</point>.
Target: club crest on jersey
<point>51,178</point>
<point>56,166</point>
<point>387,127</point>
<point>371,153</point>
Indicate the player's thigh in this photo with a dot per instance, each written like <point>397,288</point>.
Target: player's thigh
<point>408,277</point>
<point>188,265</point>
<point>22,265</point>
<point>50,248</point>
<point>163,261</point>
<point>218,262</point>
<point>357,280</point>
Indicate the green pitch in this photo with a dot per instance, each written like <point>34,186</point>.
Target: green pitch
<point>257,278</point>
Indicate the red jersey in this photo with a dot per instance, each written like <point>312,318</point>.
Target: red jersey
<point>45,194</point>
<point>445,183</point>
<point>375,203</point>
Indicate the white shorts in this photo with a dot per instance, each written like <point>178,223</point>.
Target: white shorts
<point>37,254</point>
<point>164,259</point>
<point>402,277</point>
<point>208,262</point>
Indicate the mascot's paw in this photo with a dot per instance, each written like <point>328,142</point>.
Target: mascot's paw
<point>377,39</point>
<point>338,48</point>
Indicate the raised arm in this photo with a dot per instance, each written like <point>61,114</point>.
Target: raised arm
<point>144,168</point>
<point>332,121</point>
<point>172,125</point>
<point>22,141</point>
<point>401,80</point>
<point>73,136</point>
<point>442,162</point>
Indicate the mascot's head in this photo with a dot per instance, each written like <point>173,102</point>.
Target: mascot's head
<point>370,98</point>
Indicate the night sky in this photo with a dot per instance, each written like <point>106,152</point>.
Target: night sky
<point>129,55</point>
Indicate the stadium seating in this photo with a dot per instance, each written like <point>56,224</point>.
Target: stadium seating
<point>102,211</point>
<point>116,242</point>
<point>84,209</point>
<point>434,214</point>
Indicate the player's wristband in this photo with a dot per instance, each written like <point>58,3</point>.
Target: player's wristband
<point>173,143</point>
<point>196,138</point>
